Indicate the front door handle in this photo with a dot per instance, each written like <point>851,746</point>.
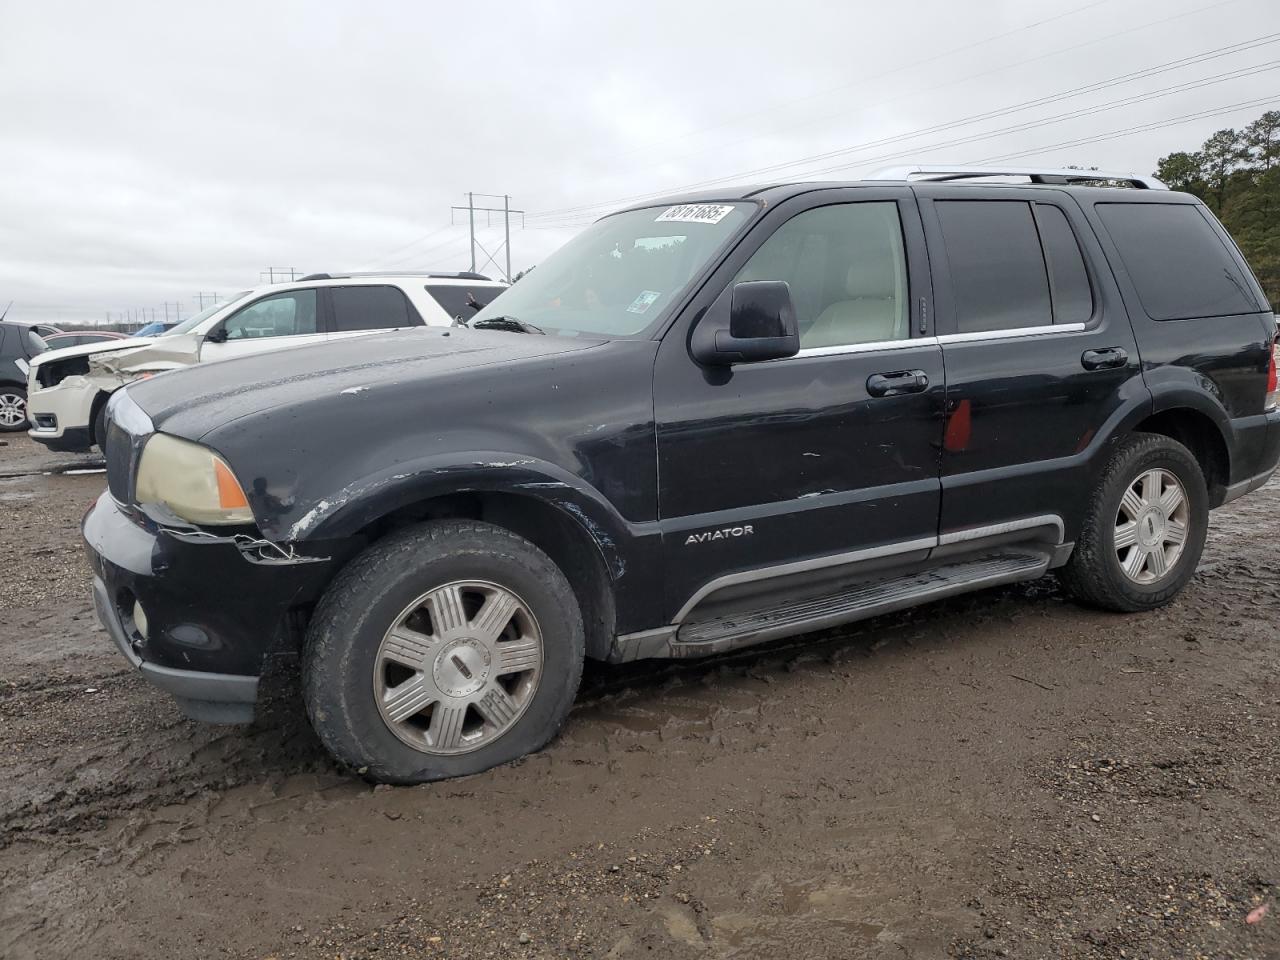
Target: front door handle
<point>1107,358</point>
<point>897,383</point>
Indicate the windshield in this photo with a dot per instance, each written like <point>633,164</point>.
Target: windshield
<point>187,325</point>
<point>617,277</point>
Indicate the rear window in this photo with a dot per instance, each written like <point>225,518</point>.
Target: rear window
<point>453,299</point>
<point>1178,264</point>
<point>1068,279</point>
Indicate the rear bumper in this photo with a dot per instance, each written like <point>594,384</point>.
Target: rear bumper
<point>196,617</point>
<point>1262,443</point>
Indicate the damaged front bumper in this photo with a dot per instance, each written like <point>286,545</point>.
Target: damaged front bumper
<point>196,615</point>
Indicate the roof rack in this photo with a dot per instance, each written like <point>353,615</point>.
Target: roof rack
<point>462,275</point>
<point>1058,175</point>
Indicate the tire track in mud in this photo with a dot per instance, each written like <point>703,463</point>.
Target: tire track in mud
<point>886,790</point>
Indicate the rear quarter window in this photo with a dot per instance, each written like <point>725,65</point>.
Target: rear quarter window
<point>1178,265</point>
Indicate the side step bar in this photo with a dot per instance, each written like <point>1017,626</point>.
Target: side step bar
<point>702,638</point>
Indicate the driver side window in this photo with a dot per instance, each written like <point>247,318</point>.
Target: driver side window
<point>281,315</point>
<point>847,270</point>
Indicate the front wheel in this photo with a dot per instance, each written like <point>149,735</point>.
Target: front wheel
<point>1144,529</point>
<point>443,650</point>
<point>13,409</point>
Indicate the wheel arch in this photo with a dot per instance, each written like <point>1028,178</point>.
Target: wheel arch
<point>568,521</point>
<point>1202,432</point>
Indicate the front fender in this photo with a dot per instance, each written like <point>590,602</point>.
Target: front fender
<point>360,503</point>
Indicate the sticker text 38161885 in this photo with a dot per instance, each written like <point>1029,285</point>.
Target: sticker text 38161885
<point>695,213</point>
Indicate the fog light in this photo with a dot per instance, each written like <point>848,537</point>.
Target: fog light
<point>139,619</point>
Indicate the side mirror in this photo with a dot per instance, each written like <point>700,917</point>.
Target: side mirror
<point>762,326</point>
<point>216,335</point>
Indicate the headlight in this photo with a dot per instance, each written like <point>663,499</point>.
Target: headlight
<point>190,480</point>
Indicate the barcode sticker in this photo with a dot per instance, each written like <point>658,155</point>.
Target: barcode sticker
<point>695,213</point>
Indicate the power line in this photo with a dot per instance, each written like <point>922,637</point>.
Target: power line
<point>951,83</point>
<point>989,134</point>
<point>411,243</point>
<point>790,102</point>
<point>1143,128</point>
<point>1144,26</point>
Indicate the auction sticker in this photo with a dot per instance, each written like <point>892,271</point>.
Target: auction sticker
<point>695,213</point>
<point>643,302</point>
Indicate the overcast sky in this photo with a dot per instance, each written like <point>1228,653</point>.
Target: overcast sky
<point>150,151</point>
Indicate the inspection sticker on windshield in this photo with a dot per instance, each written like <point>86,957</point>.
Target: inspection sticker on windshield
<point>643,302</point>
<point>695,213</point>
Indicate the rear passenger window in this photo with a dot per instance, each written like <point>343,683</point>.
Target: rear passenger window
<point>1068,279</point>
<point>1180,267</point>
<point>998,275</point>
<point>370,308</point>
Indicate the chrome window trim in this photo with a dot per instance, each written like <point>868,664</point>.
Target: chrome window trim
<point>870,347</point>
<point>1017,333</point>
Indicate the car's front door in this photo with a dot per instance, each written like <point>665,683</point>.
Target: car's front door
<point>819,459</point>
<point>286,319</point>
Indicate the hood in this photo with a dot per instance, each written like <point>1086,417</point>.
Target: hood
<point>91,349</point>
<point>192,401</point>
<point>150,353</point>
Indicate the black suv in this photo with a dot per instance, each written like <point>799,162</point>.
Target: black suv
<point>703,423</point>
<point>18,344</point>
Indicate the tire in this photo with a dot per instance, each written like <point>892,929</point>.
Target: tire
<point>13,409</point>
<point>1120,510</point>
<point>100,428</point>
<point>437,583</point>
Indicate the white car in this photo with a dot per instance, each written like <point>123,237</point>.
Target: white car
<point>68,389</point>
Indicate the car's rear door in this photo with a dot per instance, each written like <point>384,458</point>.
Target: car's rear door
<point>825,457</point>
<point>1040,355</point>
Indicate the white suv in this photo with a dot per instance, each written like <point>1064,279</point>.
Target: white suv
<point>68,389</point>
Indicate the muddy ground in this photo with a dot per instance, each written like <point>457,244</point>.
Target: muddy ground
<point>1005,775</point>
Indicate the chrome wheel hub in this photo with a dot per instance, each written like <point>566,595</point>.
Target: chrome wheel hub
<point>1151,526</point>
<point>13,409</point>
<point>458,668</point>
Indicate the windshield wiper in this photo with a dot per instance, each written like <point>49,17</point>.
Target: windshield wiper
<point>507,324</point>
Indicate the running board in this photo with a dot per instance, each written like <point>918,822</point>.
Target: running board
<point>700,638</point>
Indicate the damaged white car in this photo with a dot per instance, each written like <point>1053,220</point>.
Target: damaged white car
<point>68,389</point>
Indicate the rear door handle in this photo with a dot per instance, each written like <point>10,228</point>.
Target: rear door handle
<point>897,383</point>
<point>1107,358</point>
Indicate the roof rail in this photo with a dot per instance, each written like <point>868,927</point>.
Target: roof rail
<point>1055,175</point>
<point>463,275</point>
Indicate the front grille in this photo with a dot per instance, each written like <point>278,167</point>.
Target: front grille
<point>119,455</point>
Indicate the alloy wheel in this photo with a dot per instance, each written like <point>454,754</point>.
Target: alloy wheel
<point>1151,526</point>
<point>13,410</point>
<point>458,668</point>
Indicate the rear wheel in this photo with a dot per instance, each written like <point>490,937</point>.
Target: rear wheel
<point>441,651</point>
<point>13,409</point>
<point>1144,530</point>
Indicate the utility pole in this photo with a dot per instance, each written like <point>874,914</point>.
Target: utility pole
<point>200,295</point>
<point>270,273</point>
<point>506,212</point>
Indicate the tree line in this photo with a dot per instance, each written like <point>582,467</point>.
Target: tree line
<point>1237,174</point>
